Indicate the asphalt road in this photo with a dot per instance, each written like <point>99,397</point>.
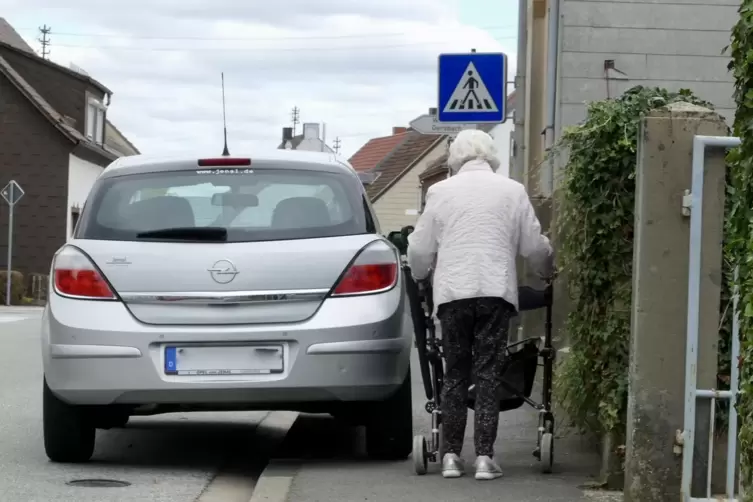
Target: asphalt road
<point>201,457</point>
<point>217,457</point>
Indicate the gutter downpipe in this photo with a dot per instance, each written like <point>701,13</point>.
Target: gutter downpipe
<point>552,57</point>
<point>517,168</point>
<point>526,97</point>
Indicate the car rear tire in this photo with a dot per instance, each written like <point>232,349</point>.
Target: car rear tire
<point>68,433</point>
<point>389,430</point>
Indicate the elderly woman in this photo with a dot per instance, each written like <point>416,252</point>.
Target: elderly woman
<point>474,225</point>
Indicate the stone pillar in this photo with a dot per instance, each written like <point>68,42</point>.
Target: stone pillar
<point>660,294</point>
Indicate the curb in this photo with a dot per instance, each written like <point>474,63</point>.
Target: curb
<point>235,485</point>
<point>273,485</point>
<point>275,482</point>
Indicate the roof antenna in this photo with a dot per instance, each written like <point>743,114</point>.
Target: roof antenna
<point>225,151</point>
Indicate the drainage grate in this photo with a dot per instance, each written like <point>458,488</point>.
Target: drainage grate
<point>98,483</point>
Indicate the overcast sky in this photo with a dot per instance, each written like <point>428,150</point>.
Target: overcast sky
<point>360,66</point>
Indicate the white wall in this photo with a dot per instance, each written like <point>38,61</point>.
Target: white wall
<point>81,176</point>
<point>502,134</point>
<point>399,205</point>
<point>659,43</point>
<point>313,145</point>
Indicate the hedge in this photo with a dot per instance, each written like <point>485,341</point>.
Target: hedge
<point>596,236</point>
<point>739,228</point>
<point>17,287</point>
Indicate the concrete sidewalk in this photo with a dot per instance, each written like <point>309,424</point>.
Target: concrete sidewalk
<point>324,461</point>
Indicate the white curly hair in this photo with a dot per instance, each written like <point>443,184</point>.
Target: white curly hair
<point>472,144</point>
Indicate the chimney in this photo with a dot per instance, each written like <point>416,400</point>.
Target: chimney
<point>399,130</point>
<point>310,131</point>
<point>287,134</point>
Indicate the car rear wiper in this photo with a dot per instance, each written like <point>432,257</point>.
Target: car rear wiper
<point>187,233</point>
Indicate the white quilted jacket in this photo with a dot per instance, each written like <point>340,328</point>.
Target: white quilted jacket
<point>474,225</point>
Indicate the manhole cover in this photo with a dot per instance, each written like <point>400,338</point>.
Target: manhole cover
<point>98,483</point>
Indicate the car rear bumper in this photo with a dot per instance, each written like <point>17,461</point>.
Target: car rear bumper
<point>353,349</point>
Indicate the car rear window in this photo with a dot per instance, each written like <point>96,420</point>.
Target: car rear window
<point>250,204</point>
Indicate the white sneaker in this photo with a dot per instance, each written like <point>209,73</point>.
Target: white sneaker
<point>487,469</point>
<point>452,466</point>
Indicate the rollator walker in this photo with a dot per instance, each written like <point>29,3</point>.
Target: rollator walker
<point>518,373</point>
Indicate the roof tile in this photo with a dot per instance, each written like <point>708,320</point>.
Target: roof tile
<point>11,37</point>
<point>46,109</point>
<point>403,157</point>
<point>374,151</point>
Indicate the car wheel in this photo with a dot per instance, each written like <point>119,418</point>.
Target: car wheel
<point>389,430</point>
<point>68,432</point>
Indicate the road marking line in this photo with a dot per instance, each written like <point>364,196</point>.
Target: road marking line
<point>275,482</point>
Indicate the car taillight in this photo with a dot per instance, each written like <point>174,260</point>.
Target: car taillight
<point>224,162</point>
<point>75,275</point>
<point>375,269</point>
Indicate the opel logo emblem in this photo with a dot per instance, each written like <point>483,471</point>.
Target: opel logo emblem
<point>223,271</point>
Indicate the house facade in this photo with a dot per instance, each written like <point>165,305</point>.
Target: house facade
<point>573,52</point>
<point>309,140</point>
<point>600,49</point>
<point>395,193</point>
<point>54,143</point>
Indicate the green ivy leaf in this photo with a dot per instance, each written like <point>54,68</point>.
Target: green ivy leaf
<point>595,230</point>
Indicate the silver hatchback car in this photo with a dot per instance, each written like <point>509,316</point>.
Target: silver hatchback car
<point>226,283</point>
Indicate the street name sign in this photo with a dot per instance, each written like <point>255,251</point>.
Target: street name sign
<point>430,124</point>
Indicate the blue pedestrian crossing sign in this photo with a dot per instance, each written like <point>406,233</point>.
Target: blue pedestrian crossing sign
<point>472,88</point>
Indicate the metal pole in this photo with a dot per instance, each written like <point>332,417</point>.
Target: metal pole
<point>10,246</point>
<point>551,83</point>
<point>700,143</point>
<point>734,387</point>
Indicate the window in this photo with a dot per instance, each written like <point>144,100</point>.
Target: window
<point>252,204</point>
<point>95,120</point>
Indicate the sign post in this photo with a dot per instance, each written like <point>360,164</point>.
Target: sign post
<point>472,88</point>
<point>12,193</point>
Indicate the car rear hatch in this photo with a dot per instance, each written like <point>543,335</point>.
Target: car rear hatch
<point>200,246</point>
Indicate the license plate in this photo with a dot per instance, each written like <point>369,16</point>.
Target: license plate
<point>228,360</point>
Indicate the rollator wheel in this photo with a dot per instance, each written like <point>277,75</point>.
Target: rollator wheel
<point>547,452</point>
<point>420,457</point>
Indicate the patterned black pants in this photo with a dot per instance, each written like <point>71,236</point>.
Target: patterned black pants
<point>474,335</point>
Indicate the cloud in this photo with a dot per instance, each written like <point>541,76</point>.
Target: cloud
<point>360,66</point>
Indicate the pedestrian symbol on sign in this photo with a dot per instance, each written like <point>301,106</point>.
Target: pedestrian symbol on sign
<point>471,94</point>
